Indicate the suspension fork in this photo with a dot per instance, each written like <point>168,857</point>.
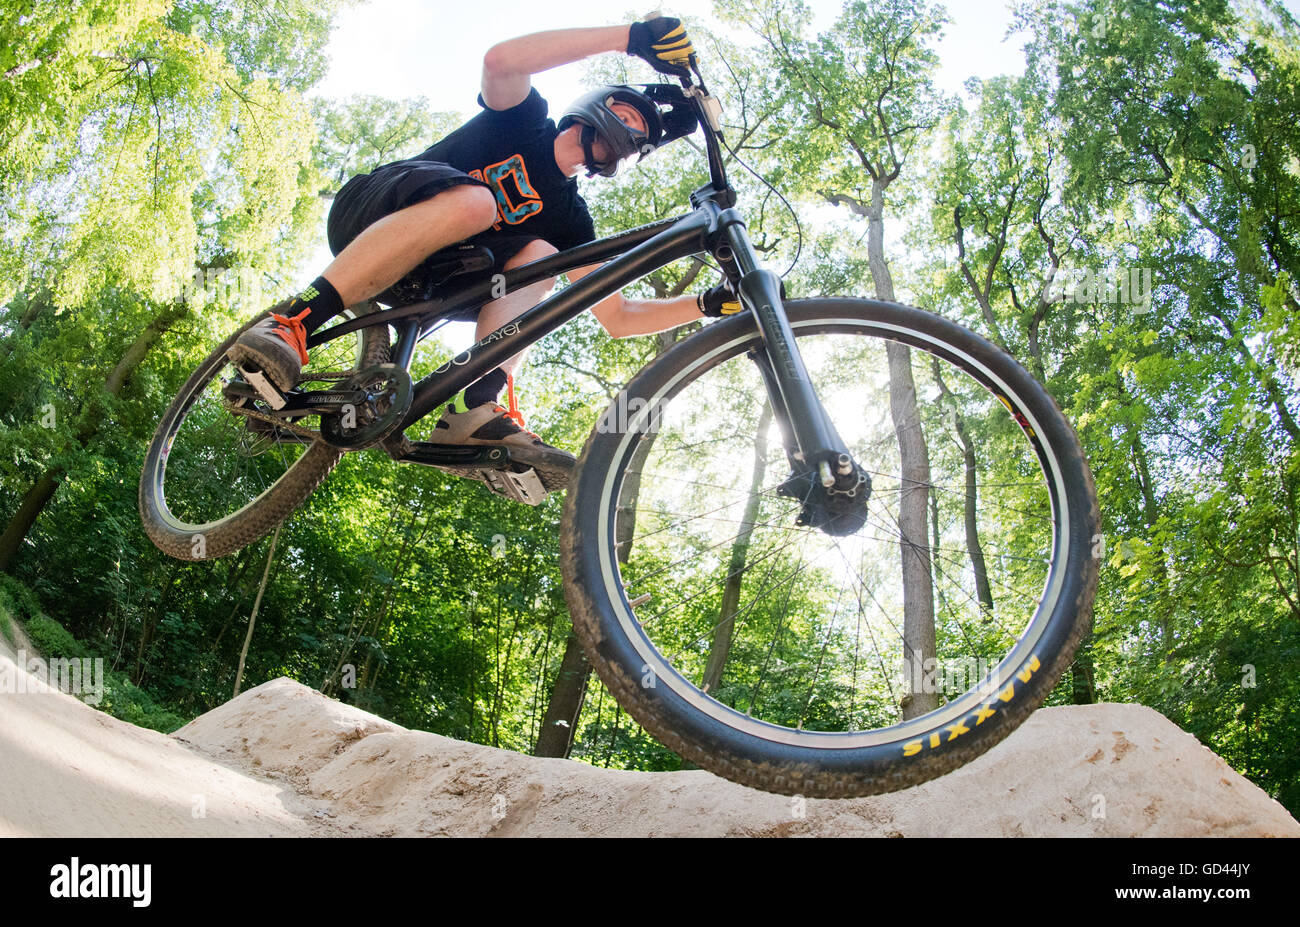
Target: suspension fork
<point>817,445</point>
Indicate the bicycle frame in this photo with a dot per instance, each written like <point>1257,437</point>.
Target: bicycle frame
<point>713,227</point>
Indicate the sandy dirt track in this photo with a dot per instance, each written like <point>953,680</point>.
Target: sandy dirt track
<point>283,760</point>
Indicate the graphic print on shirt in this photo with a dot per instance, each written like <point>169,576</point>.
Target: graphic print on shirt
<point>513,205</point>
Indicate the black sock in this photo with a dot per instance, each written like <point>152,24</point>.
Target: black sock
<point>485,389</point>
<point>323,301</point>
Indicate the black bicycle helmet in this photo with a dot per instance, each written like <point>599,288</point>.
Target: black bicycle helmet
<point>667,113</point>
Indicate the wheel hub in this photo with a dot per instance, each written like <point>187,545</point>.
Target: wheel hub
<point>839,510</point>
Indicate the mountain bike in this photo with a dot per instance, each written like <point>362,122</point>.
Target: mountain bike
<point>825,546</point>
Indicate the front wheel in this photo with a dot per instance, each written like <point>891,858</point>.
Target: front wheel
<point>846,662</point>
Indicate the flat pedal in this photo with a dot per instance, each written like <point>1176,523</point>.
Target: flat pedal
<point>518,474</point>
<point>268,391</point>
<point>517,486</point>
<point>525,487</point>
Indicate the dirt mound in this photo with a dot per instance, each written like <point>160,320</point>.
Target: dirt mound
<point>1108,770</point>
<point>282,759</point>
<point>70,770</point>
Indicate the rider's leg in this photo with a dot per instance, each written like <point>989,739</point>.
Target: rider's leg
<point>500,311</point>
<point>389,249</point>
<point>382,254</point>
<point>475,417</point>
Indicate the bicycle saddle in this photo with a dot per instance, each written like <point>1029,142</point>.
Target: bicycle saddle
<point>438,268</point>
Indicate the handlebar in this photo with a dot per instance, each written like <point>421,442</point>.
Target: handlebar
<point>709,113</point>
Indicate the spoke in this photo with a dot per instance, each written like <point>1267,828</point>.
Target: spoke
<point>780,625</point>
<point>642,581</point>
<point>220,460</point>
<point>821,657</point>
<point>675,658</point>
<point>683,601</point>
<point>688,518</point>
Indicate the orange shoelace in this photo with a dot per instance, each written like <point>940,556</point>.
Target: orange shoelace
<point>513,412</point>
<point>293,331</point>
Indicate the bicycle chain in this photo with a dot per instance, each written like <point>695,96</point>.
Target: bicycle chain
<point>277,422</point>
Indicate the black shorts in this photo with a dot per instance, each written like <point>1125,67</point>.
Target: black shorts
<point>367,198</point>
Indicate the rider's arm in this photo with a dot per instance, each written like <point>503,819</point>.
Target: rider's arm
<point>622,317</point>
<point>508,65</point>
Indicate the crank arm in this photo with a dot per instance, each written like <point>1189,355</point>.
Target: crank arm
<point>294,403</point>
<point>318,401</point>
<point>459,456</point>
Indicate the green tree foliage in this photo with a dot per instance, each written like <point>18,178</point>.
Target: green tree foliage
<point>359,134</point>
<point>164,166</point>
<point>163,175</point>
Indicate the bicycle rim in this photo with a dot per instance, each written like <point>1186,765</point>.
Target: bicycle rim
<point>215,463</point>
<point>793,638</point>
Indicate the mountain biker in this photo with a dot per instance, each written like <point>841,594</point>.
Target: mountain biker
<point>506,180</point>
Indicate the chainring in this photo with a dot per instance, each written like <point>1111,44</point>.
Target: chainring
<point>389,391</point>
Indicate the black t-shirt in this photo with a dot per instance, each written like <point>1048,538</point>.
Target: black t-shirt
<point>513,152</point>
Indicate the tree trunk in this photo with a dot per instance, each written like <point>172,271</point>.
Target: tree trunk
<point>541,678</point>
<point>1151,515</point>
<point>503,669</point>
<point>473,654</point>
<point>1083,689</point>
<point>913,515</point>
<point>913,505</point>
<point>722,634</point>
<point>493,710</point>
<point>36,303</point>
<point>570,687</point>
<point>371,622</point>
<point>971,512</point>
<point>146,629</point>
<point>561,718</point>
<point>257,605</point>
<point>613,736</point>
<point>21,523</point>
<point>43,489</point>
<point>238,568</point>
<point>378,625</point>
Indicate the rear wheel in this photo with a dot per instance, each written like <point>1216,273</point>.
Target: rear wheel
<point>216,479</point>
<point>795,660</point>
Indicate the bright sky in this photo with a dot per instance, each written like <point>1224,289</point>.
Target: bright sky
<point>401,48</point>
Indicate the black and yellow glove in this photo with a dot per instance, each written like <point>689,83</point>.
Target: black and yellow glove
<point>719,301</point>
<point>663,43</point>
